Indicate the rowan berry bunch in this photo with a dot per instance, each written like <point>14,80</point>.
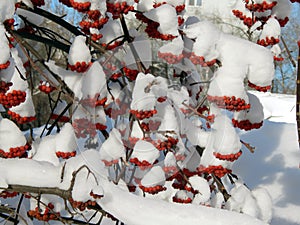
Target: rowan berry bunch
<point>246,124</point>
<point>46,87</point>
<point>258,88</point>
<point>47,215</point>
<point>229,157</point>
<point>13,98</point>
<point>219,170</point>
<point>20,119</point>
<point>152,190</point>
<point>230,103</point>
<point>80,67</point>
<point>65,155</point>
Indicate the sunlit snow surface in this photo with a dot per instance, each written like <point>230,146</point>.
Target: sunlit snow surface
<point>275,163</point>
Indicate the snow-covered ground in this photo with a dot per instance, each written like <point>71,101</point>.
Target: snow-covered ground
<point>275,163</point>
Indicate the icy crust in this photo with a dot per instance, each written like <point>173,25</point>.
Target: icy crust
<point>79,51</point>
<point>112,149</point>
<point>10,135</point>
<point>167,25</point>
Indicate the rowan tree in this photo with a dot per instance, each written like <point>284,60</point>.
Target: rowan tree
<point>120,133</point>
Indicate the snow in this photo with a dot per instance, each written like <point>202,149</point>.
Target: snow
<point>10,135</point>
<point>167,24</point>
<point>79,51</point>
<point>275,163</point>
<point>156,176</point>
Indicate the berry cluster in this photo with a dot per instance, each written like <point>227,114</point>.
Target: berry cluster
<point>246,124</point>
<point>95,196</point>
<point>228,157</point>
<point>63,119</point>
<point>100,126</point>
<point>278,59</point>
<point>4,86</point>
<point>230,103</point>
<point>167,144</point>
<point>130,74</point>
<point>200,60</point>
<point>46,216</point>
<point>162,99</point>
<point>152,190</point>
<point>219,170</point>
<point>15,152</point>
<point>110,163</point>
<point>145,127</point>
<point>84,127</point>
<point>9,23</point>
<point>179,8</point>
<point>46,87</point>
<point>80,6</point>
<point>96,37</point>
<point>180,20</point>
<point>65,155</point>
<point>13,98</point>
<point>118,8</point>
<point>111,46</point>
<point>283,22</point>
<point>259,88</point>
<point>170,170</point>
<point>66,2</point>
<point>152,29</point>
<point>115,112</point>
<point>94,102</point>
<point>268,41</point>
<point>115,76</point>
<point>143,114</point>
<point>38,2</point>
<point>183,201</point>
<point>295,1</point>
<point>260,7</point>
<point>81,205</point>
<point>248,21</point>
<point>143,165</point>
<point>79,67</point>
<point>8,194</point>
<point>87,24</point>
<point>19,119</point>
<point>170,58</point>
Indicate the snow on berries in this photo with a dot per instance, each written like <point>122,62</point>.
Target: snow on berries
<point>172,52</point>
<point>59,114</point>
<point>162,27</point>
<point>111,31</point>
<point>7,10</point>
<point>12,141</point>
<point>94,84</point>
<point>153,182</point>
<point>65,140</point>
<point>112,149</point>
<point>144,154</point>
<point>79,58</point>
<point>251,119</point>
